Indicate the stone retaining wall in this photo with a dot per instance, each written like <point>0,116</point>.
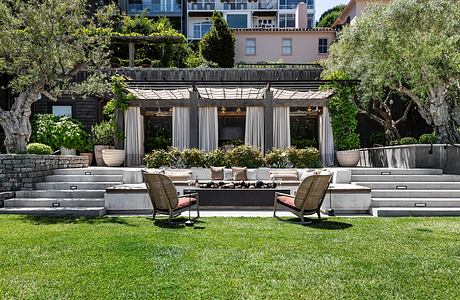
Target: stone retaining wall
<point>21,171</point>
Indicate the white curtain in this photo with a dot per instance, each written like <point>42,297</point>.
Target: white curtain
<point>208,128</point>
<point>181,127</point>
<point>134,133</point>
<point>254,132</point>
<point>281,127</point>
<point>326,138</point>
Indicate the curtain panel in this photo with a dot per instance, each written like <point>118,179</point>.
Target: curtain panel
<point>134,133</point>
<point>255,130</point>
<point>281,127</point>
<point>208,128</point>
<point>181,127</point>
<point>326,139</point>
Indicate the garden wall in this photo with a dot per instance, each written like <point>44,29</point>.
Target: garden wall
<point>438,156</point>
<point>21,171</point>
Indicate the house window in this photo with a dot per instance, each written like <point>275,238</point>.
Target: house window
<point>62,110</point>
<point>237,21</point>
<point>200,29</point>
<point>311,21</point>
<point>322,47</point>
<point>287,20</point>
<point>286,47</point>
<point>250,46</point>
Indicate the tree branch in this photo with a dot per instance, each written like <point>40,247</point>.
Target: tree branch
<point>406,113</point>
<point>49,96</point>
<point>373,117</point>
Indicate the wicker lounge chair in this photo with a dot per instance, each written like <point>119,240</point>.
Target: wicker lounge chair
<point>308,199</point>
<point>165,200</point>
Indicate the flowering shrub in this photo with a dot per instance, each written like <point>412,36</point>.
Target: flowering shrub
<point>245,156</point>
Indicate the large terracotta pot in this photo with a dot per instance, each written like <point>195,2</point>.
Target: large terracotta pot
<point>98,154</point>
<point>90,157</point>
<point>349,158</point>
<point>65,151</point>
<point>113,157</point>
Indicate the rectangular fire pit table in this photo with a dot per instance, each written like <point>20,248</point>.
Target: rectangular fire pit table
<point>236,197</point>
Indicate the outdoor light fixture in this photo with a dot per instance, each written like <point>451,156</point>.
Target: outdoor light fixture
<point>330,211</point>
<point>238,110</point>
<point>222,110</point>
<point>309,109</point>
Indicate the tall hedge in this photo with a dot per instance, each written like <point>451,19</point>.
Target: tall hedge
<point>218,45</point>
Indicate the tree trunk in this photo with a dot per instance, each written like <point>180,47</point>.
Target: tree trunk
<point>443,123</point>
<point>391,131</point>
<point>16,123</point>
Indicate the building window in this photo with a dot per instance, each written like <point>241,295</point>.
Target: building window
<point>322,48</point>
<point>62,110</point>
<point>237,21</point>
<point>287,20</point>
<point>311,21</point>
<point>286,47</point>
<point>200,29</point>
<point>250,46</point>
<point>292,4</point>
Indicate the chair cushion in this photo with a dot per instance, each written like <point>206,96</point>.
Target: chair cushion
<point>217,173</point>
<point>185,202</point>
<point>251,174</point>
<point>179,175</point>
<point>287,201</point>
<point>239,174</point>
<point>290,175</point>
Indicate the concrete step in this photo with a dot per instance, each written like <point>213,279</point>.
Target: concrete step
<point>63,194</point>
<point>394,171</point>
<point>415,194</point>
<point>84,178</point>
<point>90,171</point>
<point>416,211</point>
<point>74,185</point>
<point>54,202</point>
<point>57,212</point>
<point>410,185</point>
<point>415,202</point>
<point>405,178</point>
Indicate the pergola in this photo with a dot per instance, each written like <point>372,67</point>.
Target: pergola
<point>153,94</point>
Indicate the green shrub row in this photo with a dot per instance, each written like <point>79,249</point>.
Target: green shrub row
<point>40,149</point>
<point>427,138</point>
<point>241,156</point>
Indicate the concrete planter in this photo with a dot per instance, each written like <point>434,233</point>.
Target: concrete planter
<point>67,152</point>
<point>349,158</point>
<point>113,157</point>
<point>98,154</point>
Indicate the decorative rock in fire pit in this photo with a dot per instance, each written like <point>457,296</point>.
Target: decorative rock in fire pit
<point>238,185</point>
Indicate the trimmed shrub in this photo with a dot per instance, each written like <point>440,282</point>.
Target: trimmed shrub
<point>157,159</point>
<point>245,156</point>
<point>408,141</point>
<point>277,158</point>
<point>194,157</point>
<point>428,138</point>
<point>304,158</point>
<point>40,149</point>
<point>176,159</point>
<point>216,158</point>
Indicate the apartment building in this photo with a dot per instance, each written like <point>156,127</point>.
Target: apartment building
<point>194,16</point>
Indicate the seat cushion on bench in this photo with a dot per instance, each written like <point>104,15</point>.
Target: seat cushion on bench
<point>287,201</point>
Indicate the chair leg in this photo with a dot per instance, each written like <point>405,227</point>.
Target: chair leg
<point>197,211</point>
<point>319,214</point>
<point>302,219</point>
<point>154,213</point>
<point>274,210</point>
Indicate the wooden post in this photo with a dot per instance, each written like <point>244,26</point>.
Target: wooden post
<point>268,120</point>
<point>120,126</point>
<point>131,54</point>
<point>194,131</point>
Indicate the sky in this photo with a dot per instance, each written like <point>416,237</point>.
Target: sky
<point>323,5</point>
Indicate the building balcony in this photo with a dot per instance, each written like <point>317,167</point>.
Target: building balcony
<point>164,8</point>
<point>202,5</point>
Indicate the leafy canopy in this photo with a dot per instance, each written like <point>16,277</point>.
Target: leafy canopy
<point>330,15</point>
<point>218,45</point>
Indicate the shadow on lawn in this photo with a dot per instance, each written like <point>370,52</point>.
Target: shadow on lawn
<point>38,220</point>
<point>323,224</point>
<point>178,223</point>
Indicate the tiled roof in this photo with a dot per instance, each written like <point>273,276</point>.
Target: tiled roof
<point>276,29</point>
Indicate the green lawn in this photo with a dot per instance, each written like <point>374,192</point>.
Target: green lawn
<point>229,258</point>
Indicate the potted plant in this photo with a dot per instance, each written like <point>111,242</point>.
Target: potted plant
<point>70,135</point>
<point>103,135</point>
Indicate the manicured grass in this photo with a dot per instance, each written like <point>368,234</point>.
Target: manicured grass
<point>229,258</point>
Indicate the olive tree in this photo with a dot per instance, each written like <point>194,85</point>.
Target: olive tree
<point>43,46</point>
<point>410,47</point>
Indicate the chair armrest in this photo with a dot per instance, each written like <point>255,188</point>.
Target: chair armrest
<point>189,195</point>
<point>283,194</point>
